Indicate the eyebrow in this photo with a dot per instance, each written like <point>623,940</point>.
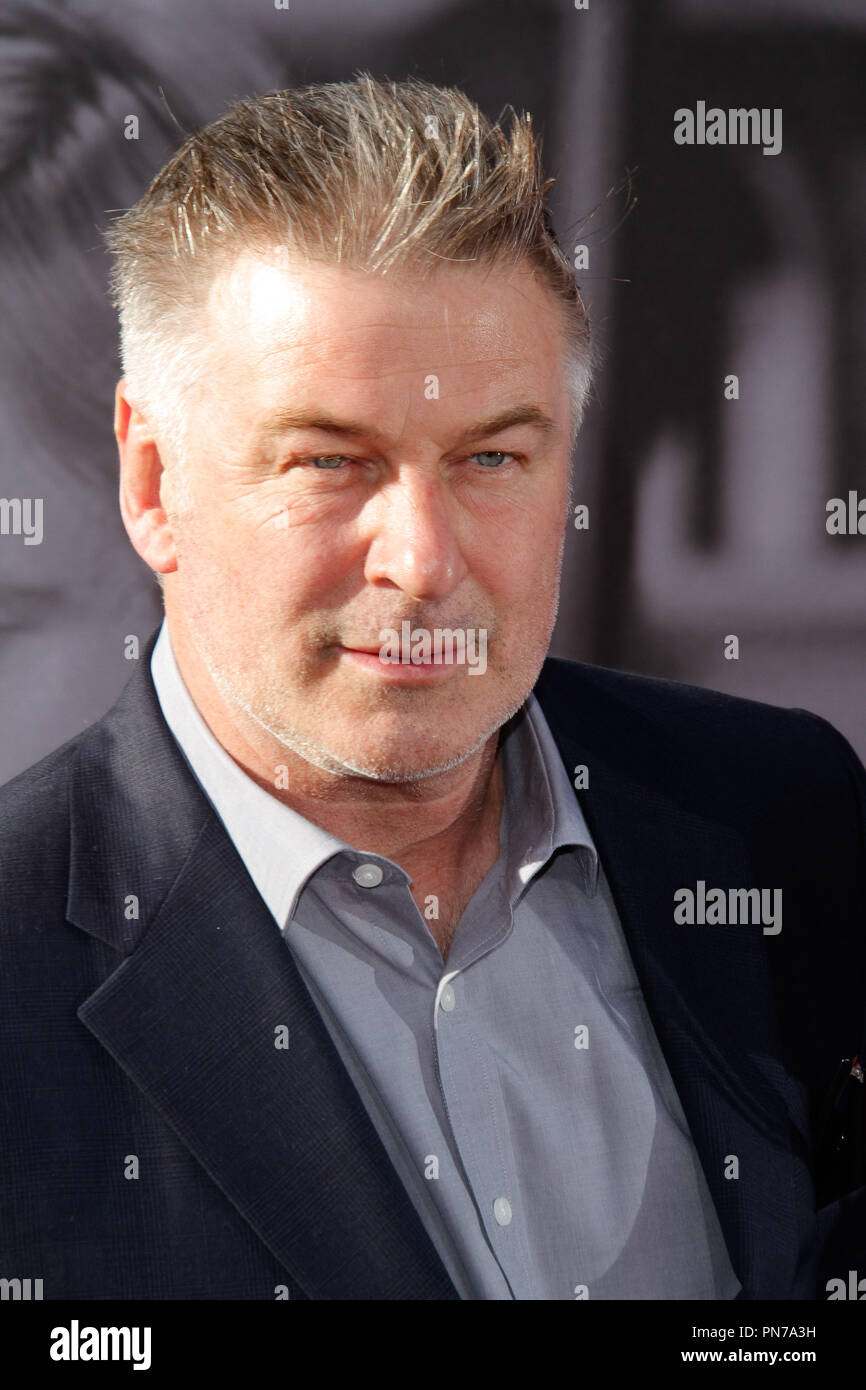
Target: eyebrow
<point>523,414</point>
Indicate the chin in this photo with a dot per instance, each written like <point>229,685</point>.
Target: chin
<point>384,764</point>
<point>395,756</point>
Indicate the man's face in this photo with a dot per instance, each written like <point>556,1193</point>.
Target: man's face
<point>346,476</point>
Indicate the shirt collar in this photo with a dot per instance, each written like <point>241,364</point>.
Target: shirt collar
<point>541,812</point>
<point>282,849</point>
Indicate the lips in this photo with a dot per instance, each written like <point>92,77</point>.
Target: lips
<point>405,656</point>
<point>397,671</point>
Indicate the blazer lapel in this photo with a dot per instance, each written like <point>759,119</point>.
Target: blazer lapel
<point>707,987</point>
<point>191,1012</point>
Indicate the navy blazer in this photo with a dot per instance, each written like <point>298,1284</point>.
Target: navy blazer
<point>142,978</point>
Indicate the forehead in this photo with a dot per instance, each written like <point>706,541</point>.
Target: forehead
<point>469,324</point>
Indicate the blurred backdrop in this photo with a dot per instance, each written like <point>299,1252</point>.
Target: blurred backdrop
<point>726,287</point>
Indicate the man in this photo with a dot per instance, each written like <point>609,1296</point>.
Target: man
<point>359,951</point>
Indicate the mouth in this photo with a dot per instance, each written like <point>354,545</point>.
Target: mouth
<point>402,671</point>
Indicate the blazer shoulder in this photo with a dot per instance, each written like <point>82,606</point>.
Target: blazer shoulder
<point>658,698</point>
<point>651,718</point>
<point>34,822</point>
<point>653,693</point>
<point>35,803</point>
<point>41,783</point>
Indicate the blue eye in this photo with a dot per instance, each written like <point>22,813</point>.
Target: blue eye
<point>491,454</point>
<point>328,460</point>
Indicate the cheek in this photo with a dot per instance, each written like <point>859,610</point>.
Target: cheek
<point>526,596</point>
<point>526,568</point>
<point>262,542</point>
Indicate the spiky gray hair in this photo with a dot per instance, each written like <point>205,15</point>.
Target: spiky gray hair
<point>374,175</point>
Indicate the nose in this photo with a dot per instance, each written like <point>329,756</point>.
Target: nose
<point>414,544</point>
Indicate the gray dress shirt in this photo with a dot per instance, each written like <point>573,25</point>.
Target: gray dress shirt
<point>519,1089</point>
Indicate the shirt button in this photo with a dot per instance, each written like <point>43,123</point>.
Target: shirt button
<point>447,999</point>
<point>368,875</point>
<point>502,1210</point>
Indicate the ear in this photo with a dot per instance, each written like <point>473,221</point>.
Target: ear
<point>141,481</point>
